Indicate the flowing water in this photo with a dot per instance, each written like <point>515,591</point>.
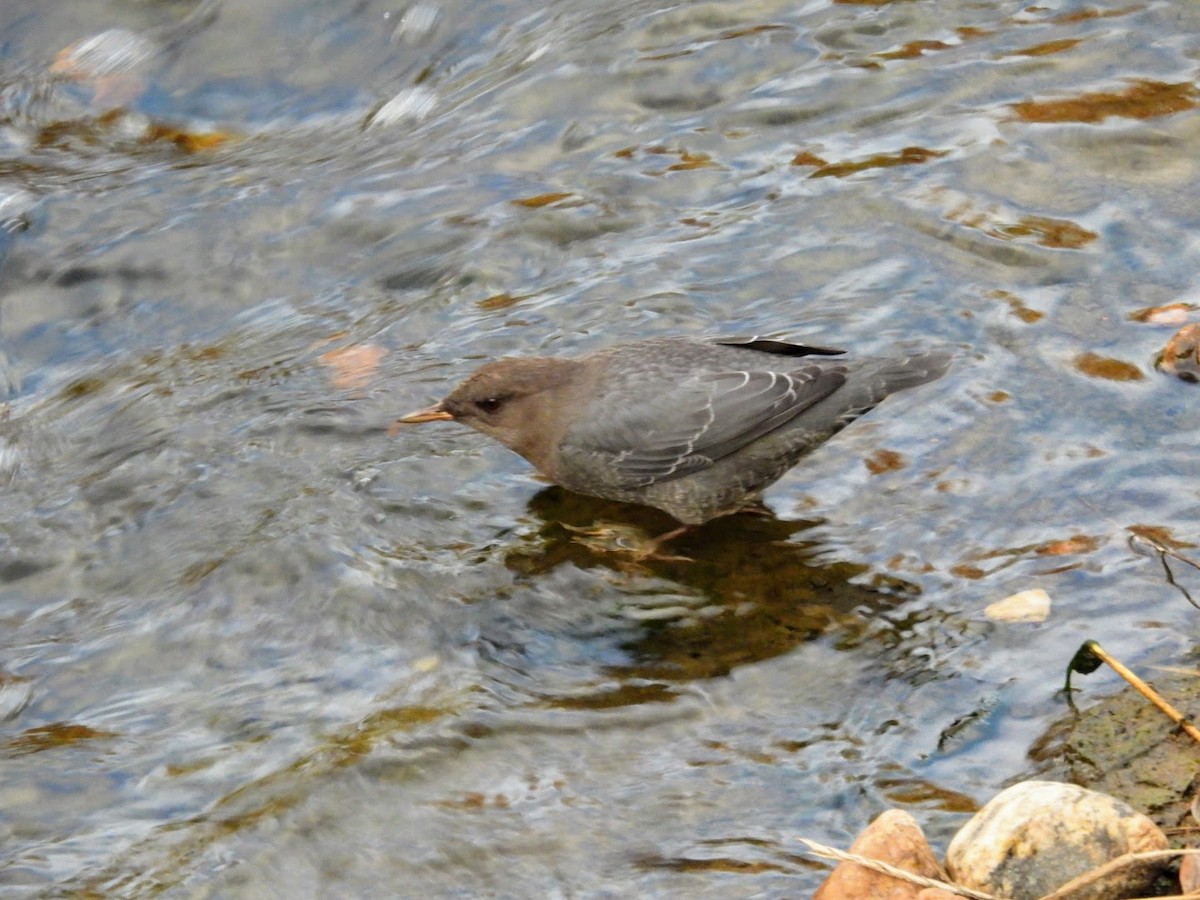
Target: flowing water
<point>252,645</point>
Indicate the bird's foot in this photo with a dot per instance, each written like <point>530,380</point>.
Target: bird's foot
<point>627,540</point>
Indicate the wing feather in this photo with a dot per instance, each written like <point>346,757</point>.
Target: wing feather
<point>691,424</point>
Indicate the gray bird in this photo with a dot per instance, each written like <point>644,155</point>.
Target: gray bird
<point>697,428</point>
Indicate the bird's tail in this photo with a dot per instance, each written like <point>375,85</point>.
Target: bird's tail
<point>902,372</point>
<point>866,386</point>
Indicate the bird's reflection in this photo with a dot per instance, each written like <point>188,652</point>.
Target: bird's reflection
<point>766,588</point>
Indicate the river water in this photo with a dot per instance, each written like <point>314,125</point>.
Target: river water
<point>252,645</point>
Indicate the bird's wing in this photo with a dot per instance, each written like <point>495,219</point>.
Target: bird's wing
<point>691,424</point>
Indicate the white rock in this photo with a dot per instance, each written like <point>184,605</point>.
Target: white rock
<point>1036,836</point>
<point>1026,606</point>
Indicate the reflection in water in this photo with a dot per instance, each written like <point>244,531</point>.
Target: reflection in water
<point>758,591</point>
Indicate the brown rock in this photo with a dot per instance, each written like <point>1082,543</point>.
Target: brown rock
<point>896,838</point>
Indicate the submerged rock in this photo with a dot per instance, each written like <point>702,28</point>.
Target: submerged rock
<point>1181,355</point>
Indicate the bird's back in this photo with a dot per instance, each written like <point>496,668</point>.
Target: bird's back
<point>700,428</point>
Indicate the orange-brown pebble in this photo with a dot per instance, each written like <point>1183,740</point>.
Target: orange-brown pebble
<point>896,838</point>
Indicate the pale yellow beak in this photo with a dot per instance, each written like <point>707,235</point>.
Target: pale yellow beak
<point>434,413</point>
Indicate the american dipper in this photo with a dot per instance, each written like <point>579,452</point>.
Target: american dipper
<point>697,428</point>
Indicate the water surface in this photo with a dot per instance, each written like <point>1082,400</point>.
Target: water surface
<point>250,645</point>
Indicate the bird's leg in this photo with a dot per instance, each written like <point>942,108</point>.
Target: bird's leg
<point>651,550</point>
<point>672,534</point>
<point>627,539</point>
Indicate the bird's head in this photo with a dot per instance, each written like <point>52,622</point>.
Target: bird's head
<point>510,400</point>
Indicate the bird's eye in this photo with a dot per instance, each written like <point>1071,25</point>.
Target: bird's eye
<point>488,405</point>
